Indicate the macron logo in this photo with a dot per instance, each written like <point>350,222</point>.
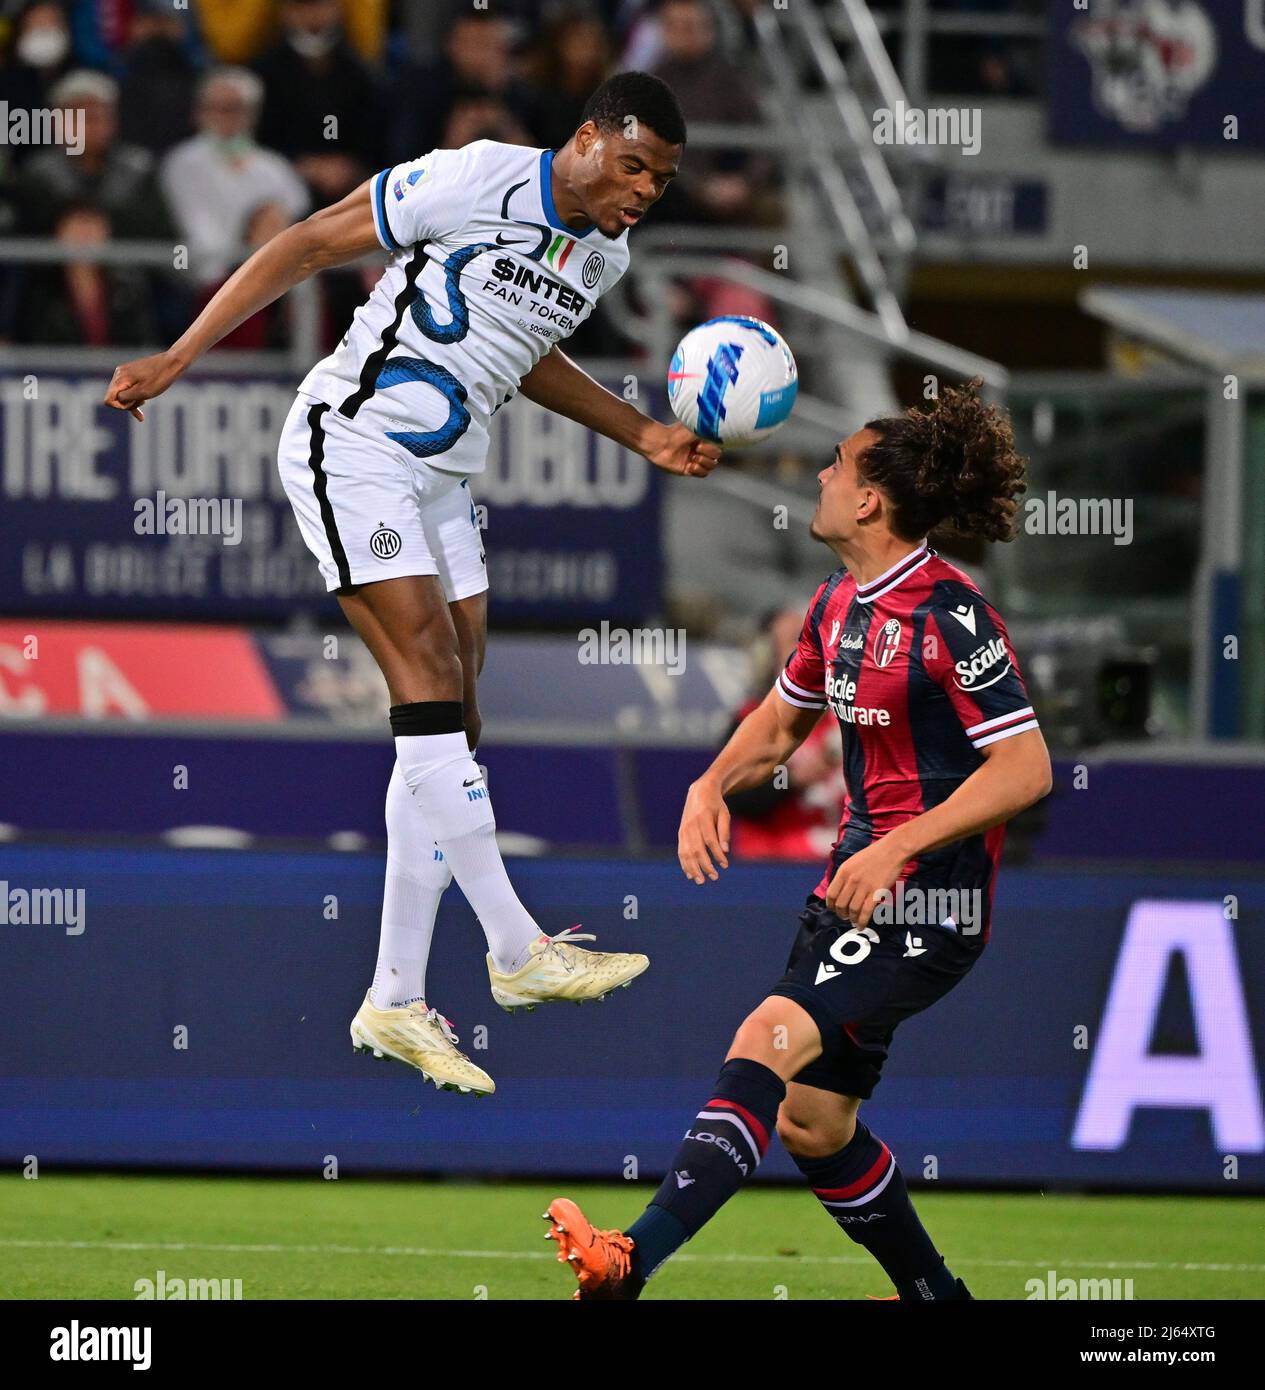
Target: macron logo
<point>965,614</point>
<point>683,1178</point>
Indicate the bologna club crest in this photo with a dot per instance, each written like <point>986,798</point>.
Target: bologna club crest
<point>1148,57</point>
<point>887,643</point>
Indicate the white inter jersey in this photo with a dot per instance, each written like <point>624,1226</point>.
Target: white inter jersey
<point>484,279</point>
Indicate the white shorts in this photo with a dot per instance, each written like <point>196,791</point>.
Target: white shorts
<point>368,510</point>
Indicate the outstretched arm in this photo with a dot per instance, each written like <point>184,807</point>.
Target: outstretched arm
<point>559,385</point>
<point>764,740</point>
<point>335,235</point>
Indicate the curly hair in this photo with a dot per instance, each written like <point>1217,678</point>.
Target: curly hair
<point>953,464</point>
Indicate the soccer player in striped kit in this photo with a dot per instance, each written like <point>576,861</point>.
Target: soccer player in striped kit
<point>498,253</point>
<point>940,749</point>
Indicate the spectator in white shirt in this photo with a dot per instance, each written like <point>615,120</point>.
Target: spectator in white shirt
<point>227,194</point>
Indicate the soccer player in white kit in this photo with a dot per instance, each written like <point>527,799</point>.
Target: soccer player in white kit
<point>498,253</point>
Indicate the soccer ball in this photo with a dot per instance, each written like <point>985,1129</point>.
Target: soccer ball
<point>732,380</point>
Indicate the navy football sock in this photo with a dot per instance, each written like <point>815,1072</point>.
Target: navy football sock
<point>862,1188</point>
<point>722,1148</point>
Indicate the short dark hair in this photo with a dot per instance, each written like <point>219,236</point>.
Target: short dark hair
<point>648,99</point>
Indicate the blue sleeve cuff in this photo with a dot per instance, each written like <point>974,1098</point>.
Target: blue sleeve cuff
<point>378,198</point>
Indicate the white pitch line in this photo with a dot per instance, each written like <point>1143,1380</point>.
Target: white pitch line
<point>428,1252</point>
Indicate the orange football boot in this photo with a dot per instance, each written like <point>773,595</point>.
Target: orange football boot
<point>961,1294</point>
<point>601,1260</point>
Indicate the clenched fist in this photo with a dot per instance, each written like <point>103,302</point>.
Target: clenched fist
<point>136,382</point>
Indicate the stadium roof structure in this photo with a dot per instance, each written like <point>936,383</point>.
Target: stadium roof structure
<point>1219,332</point>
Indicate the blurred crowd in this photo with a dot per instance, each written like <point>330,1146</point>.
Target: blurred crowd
<point>212,126</point>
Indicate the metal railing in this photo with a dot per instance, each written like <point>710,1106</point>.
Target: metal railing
<point>851,322</point>
<point>886,197</point>
<point>805,137</point>
<point>301,305</point>
<point>815,421</point>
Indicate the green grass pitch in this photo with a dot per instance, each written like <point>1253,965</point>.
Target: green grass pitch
<point>87,1236</point>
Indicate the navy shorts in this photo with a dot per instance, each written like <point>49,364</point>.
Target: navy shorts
<point>858,985</point>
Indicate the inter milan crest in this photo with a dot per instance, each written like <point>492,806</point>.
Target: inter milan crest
<point>385,543</point>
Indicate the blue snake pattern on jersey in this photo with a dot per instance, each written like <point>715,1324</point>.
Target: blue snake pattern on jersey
<point>426,443</point>
<point>458,324</point>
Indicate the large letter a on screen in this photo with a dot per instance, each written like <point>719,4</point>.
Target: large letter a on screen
<point>1220,1078</point>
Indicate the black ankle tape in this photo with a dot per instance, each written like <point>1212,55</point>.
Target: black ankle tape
<point>427,717</point>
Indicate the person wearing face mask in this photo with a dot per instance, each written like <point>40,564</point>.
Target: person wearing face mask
<point>322,109</point>
<point>225,192</point>
<point>38,54</point>
<point>321,106</point>
<point>43,40</point>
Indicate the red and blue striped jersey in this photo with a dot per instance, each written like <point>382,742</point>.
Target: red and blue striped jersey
<point>918,669</point>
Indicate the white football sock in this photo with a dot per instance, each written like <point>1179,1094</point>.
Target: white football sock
<point>417,875</point>
<point>448,788</point>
